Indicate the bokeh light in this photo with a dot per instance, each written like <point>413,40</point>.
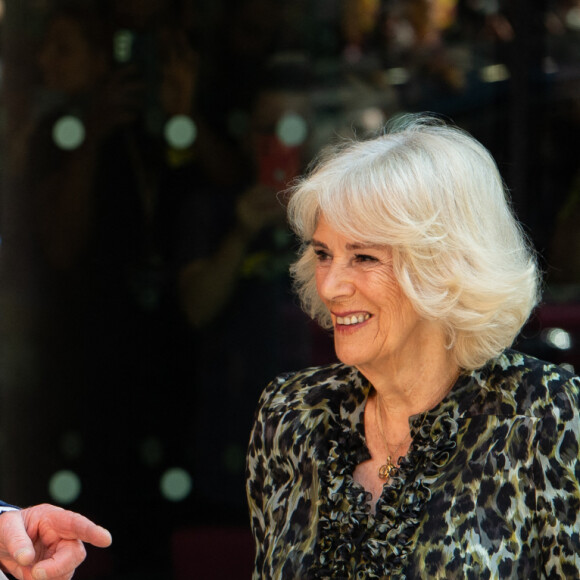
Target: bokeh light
<point>176,484</point>
<point>494,73</point>
<point>123,46</point>
<point>573,18</point>
<point>397,76</point>
<point>68,132</point>
<point>180,132</point>
<point>71,444</point>
<point>151,451</point>
<point>372,118</point>
<point>64,487</point>
<point>292,129</point>
<point>558,338</point>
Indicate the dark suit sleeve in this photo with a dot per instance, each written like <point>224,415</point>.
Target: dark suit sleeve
<point>5,507</point>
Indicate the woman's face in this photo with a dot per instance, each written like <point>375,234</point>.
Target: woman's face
<point>374,322</point>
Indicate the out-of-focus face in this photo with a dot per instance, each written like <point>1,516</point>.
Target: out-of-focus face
<point>67,60</point>
<point>374,322</point>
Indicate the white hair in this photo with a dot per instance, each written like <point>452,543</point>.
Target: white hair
<point>434,195</point>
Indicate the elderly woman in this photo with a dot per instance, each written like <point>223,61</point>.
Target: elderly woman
<point>432,450</point>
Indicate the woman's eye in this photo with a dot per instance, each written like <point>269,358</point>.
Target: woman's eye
<point>321,255</point>
<point>365,258</point>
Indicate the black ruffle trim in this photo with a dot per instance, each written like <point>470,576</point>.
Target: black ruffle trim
<point>353,543</point>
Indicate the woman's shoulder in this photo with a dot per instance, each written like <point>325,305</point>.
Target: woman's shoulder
<point>314,387</point>
<point>532,386</point>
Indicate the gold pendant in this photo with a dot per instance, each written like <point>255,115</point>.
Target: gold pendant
<point>386,469</point>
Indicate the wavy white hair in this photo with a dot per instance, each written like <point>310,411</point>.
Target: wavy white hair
<point>434,195</point>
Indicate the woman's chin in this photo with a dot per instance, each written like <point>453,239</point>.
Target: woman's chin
<point>347,357</point>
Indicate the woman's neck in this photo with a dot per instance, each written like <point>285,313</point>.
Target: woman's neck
<point>404,391</point>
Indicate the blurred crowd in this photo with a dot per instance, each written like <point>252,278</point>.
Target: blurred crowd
<point>147,146</point>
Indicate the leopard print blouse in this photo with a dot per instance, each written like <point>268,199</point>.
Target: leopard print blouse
<point>489,489</point>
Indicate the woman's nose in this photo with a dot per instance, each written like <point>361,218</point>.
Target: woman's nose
<point>335,282</point>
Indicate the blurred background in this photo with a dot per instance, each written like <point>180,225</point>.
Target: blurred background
<point>144,296</point>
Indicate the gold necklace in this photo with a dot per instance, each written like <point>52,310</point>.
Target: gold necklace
<point>390,467</point>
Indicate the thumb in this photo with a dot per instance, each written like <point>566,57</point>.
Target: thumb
<point>14,538</point>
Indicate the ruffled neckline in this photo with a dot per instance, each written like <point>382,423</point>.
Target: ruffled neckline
<point>353,542</point>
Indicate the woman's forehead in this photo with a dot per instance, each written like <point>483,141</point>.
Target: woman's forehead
<point>353,240</point>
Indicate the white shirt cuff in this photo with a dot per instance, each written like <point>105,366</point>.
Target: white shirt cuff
<point>5,508</point>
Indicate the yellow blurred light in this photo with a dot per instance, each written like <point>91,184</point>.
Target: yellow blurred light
<point>397,76</point>
<point>494,73</point>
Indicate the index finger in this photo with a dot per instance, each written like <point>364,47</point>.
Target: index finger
<point>53,523</point>
<point>74,526</point>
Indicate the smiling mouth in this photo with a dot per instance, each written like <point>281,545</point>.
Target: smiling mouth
<point>352,319</point>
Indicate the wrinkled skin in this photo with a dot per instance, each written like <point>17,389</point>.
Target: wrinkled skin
<point>45,542</point>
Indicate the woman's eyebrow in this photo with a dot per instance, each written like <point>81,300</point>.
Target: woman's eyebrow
<point>354,246</point>
<point>357,246</point>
